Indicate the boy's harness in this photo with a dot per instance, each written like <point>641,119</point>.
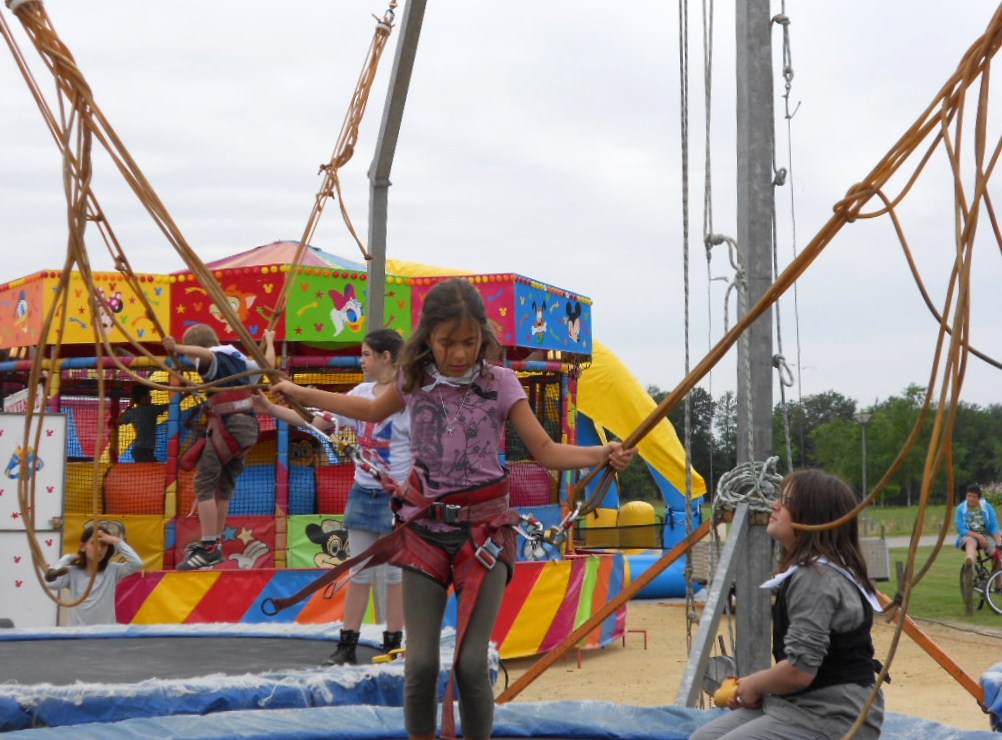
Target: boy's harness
<point>219,406</point>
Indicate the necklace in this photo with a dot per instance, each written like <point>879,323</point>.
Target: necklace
<point>450,425</point>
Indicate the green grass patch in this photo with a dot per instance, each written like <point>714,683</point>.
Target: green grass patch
<point>937,596</point>
<point>898,521</point>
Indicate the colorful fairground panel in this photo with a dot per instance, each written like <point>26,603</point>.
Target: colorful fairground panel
<point>326,296</point>
<point>526,313</point>
<point>24,303</point>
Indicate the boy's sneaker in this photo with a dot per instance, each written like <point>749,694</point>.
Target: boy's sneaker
<point>200,557</point>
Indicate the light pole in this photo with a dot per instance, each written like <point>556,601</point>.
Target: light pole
<point>863,419</point>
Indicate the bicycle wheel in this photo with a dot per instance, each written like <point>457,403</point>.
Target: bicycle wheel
<point>993,591</point>
<point>967,586</point>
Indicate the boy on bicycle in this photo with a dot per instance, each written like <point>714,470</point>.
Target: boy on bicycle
<point>978,527</point>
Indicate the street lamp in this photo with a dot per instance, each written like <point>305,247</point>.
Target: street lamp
<point>863,419</point>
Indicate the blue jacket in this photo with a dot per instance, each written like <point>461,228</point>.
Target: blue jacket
<point>991,521</point>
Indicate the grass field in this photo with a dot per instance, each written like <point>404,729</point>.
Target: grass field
<point>898,521</point>
<point>937,596</point>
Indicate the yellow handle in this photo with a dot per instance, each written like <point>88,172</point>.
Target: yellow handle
<point>388,657</point>
<point>726,693</point>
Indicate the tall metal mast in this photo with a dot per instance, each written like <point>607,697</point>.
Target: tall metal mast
<point>755,144</point>
<point>382,161</point>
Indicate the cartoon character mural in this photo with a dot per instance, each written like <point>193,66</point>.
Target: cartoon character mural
<point>13,469</point>
<point>21,311</point>
<point>347,311</point>
<point>107,306</point>
<point>240,301</point>
<point>333,540</point>
<point>247,558</point>
<point>539,327</point>
<point>574,320</point>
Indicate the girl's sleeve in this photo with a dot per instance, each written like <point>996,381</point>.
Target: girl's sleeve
<point>64,580</point>
<point>811,602</point>
<point>133,561</point>
<point>510,390</point>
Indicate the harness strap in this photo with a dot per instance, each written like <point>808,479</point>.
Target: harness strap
<point>380,552</point>
<point>225,403</point>
<point>225,444</point>
<point>412,494</point>
<point>485,510</point>
<point>468,578</point>
<point>227,447</point>
<point>405,547</point>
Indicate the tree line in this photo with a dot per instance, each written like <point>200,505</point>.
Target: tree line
<point>826,431</point>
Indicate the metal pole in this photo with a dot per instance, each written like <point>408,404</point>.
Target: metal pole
<point>755,149</point>
<point>382,161</point>
<point>863,436</point>
<point>863,420</point>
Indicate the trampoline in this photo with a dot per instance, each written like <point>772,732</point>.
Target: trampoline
<point>72,676</point>
<point>242,681</point>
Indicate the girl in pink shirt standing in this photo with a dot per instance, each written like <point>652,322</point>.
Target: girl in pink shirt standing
<point>453,509</point>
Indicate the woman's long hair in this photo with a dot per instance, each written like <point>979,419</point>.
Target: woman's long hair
<point>451,301</point>
<point>816,497</point>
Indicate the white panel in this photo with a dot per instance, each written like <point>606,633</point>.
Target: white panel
<point>48,469</point>
<point>22,598</point>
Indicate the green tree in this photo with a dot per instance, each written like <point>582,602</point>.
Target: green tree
<point>805,416</point>
<point>892,422</point>
<point>702,409</point>
<point>725,429</point>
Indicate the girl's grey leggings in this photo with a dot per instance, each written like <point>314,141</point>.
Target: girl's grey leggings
<point>424,609</point>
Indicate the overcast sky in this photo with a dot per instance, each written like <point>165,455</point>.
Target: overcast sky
<point>539,138</point>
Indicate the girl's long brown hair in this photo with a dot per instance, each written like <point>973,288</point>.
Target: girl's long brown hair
<point>816,497</point>
<point>451,301</point>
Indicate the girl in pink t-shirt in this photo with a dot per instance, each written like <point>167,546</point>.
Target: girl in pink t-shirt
<point>454,504</point>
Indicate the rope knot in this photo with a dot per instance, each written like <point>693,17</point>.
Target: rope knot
<point>853,201</point>
<point>755,483</point>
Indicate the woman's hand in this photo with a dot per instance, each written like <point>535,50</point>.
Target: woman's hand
<point>261,404</point>
<point>287,390</point>
<point>746,697</point>
<point>617,456</point>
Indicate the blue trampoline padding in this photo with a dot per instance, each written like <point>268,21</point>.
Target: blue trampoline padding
<point>571,719</point>
<point>87,705</point>
<point>991,683</point>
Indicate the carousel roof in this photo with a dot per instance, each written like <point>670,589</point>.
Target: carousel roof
<point>283,253</point>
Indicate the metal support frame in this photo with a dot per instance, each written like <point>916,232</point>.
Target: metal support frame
<point>382,161</point>
<point>709,623</point>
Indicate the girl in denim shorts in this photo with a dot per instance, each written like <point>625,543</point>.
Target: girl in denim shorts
<point>368,515</point>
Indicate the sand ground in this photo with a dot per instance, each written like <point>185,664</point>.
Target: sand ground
<point>651,677</point>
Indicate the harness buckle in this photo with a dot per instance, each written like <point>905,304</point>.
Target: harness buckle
<point>446,513</point>
<point>487,554</point>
